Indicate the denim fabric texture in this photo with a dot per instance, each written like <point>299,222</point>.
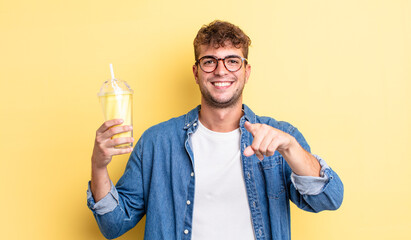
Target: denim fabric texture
<point>159,182</point>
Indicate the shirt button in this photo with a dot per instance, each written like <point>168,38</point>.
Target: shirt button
<point>186,231</point>
<point>188,202</point>
<point>195,124</point>
<point>192,174</point>
<point>253,204</point>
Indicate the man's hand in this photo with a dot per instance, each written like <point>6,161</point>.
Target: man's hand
<point>266,140</point>
<point>102,154</point>
<point>104,145</point>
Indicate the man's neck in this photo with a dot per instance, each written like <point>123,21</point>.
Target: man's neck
<point>221,119</point>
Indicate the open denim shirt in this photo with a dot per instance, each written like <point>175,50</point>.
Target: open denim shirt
<point>159,180</point>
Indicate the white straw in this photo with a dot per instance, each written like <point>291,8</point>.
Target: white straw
<point>112,71</point>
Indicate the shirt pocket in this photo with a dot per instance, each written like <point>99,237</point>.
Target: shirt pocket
<point>272,168</point>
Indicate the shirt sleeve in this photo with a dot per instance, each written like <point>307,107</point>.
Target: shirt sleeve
<point>106,204</point>
<point>309,185</point>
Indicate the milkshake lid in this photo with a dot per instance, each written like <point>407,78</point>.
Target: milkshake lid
<point>115,86</point>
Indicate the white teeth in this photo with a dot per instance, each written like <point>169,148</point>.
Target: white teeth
<point>221,84</point>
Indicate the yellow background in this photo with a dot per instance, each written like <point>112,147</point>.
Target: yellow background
<point>338,70</point>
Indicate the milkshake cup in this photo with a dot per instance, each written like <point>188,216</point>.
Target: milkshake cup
<point>116,99</point>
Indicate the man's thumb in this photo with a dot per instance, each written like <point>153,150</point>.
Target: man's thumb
<point>248,151</point>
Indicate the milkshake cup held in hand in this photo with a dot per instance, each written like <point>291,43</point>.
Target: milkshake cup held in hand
<point>116,98</point>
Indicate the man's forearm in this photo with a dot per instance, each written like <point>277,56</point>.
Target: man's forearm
<point>301,162</point>
<point>100,183</point>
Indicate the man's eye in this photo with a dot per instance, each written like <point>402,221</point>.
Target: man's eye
<point>208,61</point>
<point>233,61</point>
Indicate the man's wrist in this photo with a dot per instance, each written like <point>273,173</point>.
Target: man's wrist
<point>98,164</point>
<point>98,168</point>
<point>301,162</point>
<point>98,172</point>
<point>291,148</point>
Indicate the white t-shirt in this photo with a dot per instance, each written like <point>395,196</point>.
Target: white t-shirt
<point>221,209</point>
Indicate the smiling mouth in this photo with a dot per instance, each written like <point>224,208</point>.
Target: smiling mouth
<point>222,84</point>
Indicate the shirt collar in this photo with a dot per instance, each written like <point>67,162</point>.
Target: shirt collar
<point>192,116</point>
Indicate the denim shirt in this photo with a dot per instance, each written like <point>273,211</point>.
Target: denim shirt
<point>159,182</point>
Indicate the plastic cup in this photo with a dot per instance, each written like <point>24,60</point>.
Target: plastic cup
<point>116,99</point>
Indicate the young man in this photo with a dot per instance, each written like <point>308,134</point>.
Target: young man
<point>217,172</point>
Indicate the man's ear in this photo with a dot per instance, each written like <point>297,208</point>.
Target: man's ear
<point>195,72</point>
<point>247,72</point>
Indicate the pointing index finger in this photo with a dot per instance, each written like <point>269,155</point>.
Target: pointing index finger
<point>252,128</point>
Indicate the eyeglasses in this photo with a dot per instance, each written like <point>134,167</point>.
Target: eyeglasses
<point>232,63</point>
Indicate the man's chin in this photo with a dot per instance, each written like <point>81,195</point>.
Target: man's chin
<point>221,103</point>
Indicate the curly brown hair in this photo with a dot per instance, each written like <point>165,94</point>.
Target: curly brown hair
<point>217,33</point>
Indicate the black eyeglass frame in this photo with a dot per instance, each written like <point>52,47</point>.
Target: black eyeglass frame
<point>218,60</point>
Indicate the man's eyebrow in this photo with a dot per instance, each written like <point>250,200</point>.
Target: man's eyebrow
<point>210,56</point>
<point>228,56</point>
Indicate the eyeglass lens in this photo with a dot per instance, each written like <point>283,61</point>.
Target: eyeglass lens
<point>232,63</point>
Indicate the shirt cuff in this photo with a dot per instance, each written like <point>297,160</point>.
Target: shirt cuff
<point>106,204</point>
<point>309,185</point>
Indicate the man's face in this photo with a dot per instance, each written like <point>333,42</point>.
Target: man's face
<point>221,88</point>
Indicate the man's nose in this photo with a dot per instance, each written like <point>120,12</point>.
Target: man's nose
<point>221,69</point>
